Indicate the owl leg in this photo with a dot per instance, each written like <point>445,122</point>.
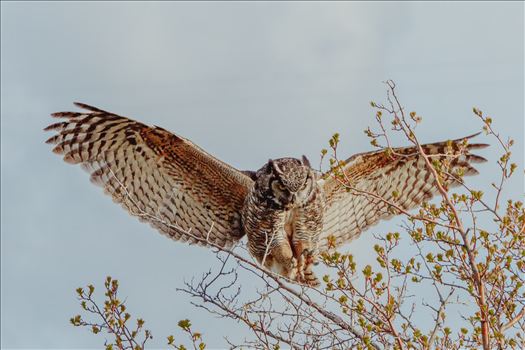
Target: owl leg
<point>280,260</point>
<point>306,254</point>
<point>309,276</point>
<point>299,249</point>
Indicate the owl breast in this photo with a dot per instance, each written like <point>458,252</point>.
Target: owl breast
<point>283,217</point>
<point>270,227</point>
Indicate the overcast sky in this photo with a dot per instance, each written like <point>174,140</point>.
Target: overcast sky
<point>245,81</point>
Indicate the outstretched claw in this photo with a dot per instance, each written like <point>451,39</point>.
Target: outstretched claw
<point>305,275</point>
<point>311,279</point>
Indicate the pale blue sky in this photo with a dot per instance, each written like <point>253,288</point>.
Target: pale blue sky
<point>245,81</point>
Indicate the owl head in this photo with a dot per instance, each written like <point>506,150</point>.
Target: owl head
<point>286,182</point>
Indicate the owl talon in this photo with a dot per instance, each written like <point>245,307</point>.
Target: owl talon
<point>311,279</point>
<point>299,268</point>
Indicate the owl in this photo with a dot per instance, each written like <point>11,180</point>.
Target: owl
<point>289,212</point>
<point>283,217</point>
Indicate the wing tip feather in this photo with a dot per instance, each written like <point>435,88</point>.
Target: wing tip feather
<point>52,140</point>
<point>470,136</point>
<point>58,149</point>
<point>474,158</point>
<point>478,145</point>
<point>70,159</point>
<point>53,126</point>
<point>89,107</point>
<point>65,114</point>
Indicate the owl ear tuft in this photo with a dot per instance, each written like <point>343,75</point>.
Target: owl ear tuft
<point>305,161</point>
<point>273,165</point>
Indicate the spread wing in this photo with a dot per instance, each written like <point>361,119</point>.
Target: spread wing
<point>157,176</point>
<point>400,177</point>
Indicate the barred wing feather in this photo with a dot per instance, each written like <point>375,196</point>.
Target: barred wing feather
<point>400,177</point>
<point>157,176</point>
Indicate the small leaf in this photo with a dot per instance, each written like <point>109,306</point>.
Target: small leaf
<point>171,339</point>
<point>367,271</point>
<point>184,324</point>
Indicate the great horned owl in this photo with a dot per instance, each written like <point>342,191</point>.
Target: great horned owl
<point>289,212</point>
<point>283,217</point>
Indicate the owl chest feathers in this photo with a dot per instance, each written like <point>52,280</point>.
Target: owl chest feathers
<point>268,224</point>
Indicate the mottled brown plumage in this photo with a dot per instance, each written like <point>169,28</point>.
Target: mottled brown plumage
<point>155,175</point>
<point>382,173</point>
<point>283,218</point>
<point>287,210</point>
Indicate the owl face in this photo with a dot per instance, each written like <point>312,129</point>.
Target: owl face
<point>288,181</point>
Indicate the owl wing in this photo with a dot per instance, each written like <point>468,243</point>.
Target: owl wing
<point>157,176</point>
<point>400,177</point>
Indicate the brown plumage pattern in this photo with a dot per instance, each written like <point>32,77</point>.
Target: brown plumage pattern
<point>287,210</point>
<point>404,172</point>
<point>157,176</point>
